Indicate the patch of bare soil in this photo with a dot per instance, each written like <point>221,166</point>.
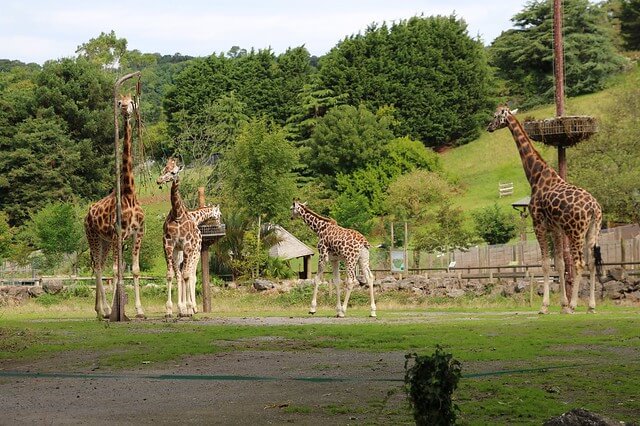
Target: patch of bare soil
<point>300,386</point>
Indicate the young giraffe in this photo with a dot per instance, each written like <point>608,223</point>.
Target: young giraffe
<point>558,207</point>
<point>337,243</point>
<point>100,221</point>
<point>182,242</point>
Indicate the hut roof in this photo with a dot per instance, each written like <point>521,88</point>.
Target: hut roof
<point>522,202</point>
<point>289,246</point>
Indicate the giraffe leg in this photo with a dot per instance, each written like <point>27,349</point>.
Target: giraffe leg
<point>558,241</point>
<point>322,259</point>
<point>541,236</point>
<point>168,255</point>
<point>135,270</point>
<point>341,309</point>
<point>576,247</point>
<point>592,242</point>
<point>177,268</point>
<point>103,310</point>
<point>192,271</point>
<point>366,270</point>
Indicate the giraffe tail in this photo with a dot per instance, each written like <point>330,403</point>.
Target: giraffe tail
<point>597,258</point>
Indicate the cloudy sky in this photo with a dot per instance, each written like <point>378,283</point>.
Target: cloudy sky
<point>38,30</point>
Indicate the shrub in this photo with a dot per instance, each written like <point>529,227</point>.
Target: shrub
<point>494,225</point>
<point>429,384</point>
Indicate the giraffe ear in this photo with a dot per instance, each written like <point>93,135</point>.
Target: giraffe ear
<point>514,111</point>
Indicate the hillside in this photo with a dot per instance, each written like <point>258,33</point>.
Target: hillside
<point>479,166</point>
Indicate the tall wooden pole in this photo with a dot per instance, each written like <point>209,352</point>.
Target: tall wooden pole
<point>117,310</point>
<point>558,70</point>
<point>204,260</point>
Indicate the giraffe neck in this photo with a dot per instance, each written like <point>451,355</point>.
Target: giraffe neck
<point>201,214</point>
<point>177,205</point>
<point>128,189</point>
<point>533,164</point>
<point>316,222</point>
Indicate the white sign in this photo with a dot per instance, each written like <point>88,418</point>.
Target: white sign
<point>397,261</point>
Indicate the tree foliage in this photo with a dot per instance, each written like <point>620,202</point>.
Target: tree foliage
<point>413,195</point>
<point>444,231</point>
<point>258,170</point>
<point>429,69</point>
<point>630,23</point>
<point>58,137</point>
<point>6,234</point>
<point>524,56</point>
<point>494,225</point>
<point>344,140</point>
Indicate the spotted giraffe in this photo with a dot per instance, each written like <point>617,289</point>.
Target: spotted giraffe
<point>182,242</point>
<point>336,243</point>
<point>560,208</point>
<point>99,224</point>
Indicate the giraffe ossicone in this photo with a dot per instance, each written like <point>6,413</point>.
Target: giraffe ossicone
<point>336,243</point>
<point>559,208</point>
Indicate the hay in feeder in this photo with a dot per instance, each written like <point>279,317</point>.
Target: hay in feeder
<point>561,131</point>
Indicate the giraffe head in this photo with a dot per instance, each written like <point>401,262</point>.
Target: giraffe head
<point>500,118</point>
<point>126,105</point>
<point>169,173</point>
<point>297,208</point>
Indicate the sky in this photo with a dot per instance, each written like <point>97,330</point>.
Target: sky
<point>39,30</point>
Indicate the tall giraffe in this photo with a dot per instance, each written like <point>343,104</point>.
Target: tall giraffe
<point>560,208</point>
<point>336,243</point>
<point>182,242</point>
<point>99,224</point>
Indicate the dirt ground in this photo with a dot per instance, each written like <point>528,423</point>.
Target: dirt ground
<point>298,385</point>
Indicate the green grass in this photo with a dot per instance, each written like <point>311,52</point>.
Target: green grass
<point>518,367</point>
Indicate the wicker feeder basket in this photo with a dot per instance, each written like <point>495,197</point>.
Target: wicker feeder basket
<point>212,231</point>
<point>561,131</point>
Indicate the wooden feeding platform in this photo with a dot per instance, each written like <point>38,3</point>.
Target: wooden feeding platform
<point>561,131</point>
<point>212,231</point>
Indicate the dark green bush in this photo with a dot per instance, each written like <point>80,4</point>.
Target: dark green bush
<point>429,384</point>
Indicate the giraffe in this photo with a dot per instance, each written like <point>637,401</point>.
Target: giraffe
<point>559,208</point>
<point>337,243</point>
<point>100,221</point>
<point>182,242</point>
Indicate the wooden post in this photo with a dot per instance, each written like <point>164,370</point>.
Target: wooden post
<point>530,289</point>
<point>120,299</point>
<point>406,257</point>
<point>204,261</point>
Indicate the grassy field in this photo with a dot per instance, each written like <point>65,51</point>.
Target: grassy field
<point>518,367</point>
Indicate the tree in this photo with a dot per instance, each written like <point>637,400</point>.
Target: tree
<point>444,231</point>
<point>524,56</point>
<point>257,170</point>
<point>428,68</point>
<point>352,210</point>
<point>344,140</point>
<point>608,164</point>
<point>104,50</point>
<point>413,195</point>
<point>57,229</point>
<point>493,225</point>
<point>6,234</point>
<point>630,23</point>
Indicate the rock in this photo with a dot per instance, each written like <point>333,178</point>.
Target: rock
<point>508,289</point>
<point>634,296</point>
<point>521,286</point>
<point>455,293</point>
<point>262,284</point>
<point>614,290</point>
<point>52,286</point>
<point>617,274</point>
<point>35,291</point>
<point>579,417</point>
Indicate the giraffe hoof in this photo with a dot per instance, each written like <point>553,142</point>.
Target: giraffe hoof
<point>340,315</point>
<point>373,315</point>
<point>312,312</point>
<point>141,316</point>
<point>566,310</point>
<point>543,311</point>
<point>168,315</point>
<point>591,310</point>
